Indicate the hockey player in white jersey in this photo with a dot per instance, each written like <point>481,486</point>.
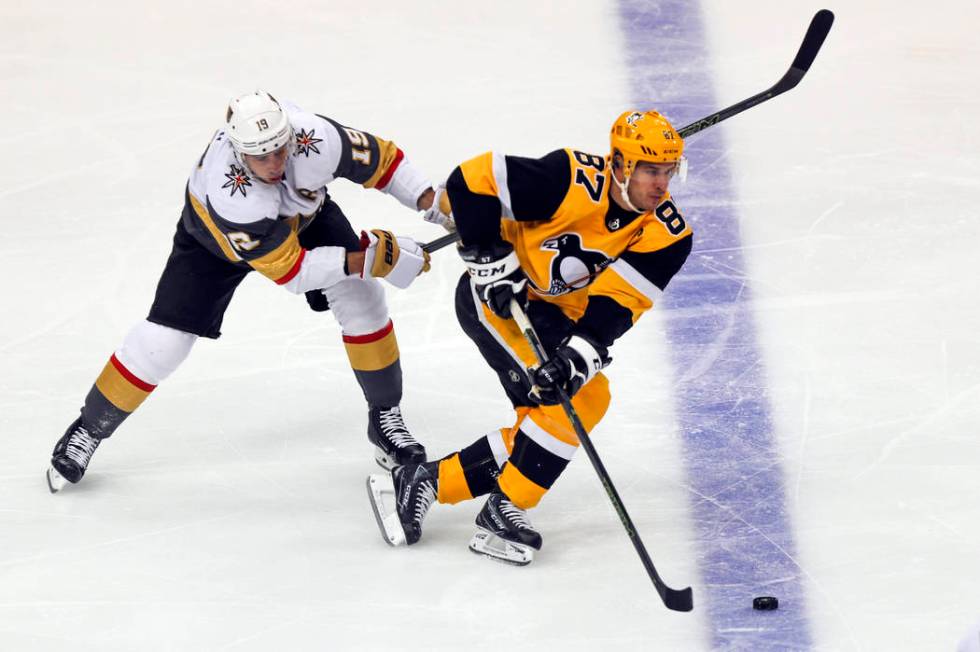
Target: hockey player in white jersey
<point>257,200</point>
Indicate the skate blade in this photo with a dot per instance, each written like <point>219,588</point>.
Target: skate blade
<point>56,481</point>
<point>381,492</point>
<point>490,545</point>
<point>384,460</point>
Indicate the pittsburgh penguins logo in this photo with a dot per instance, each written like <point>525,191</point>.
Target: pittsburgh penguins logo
<point>573,267</point>
<point>238,181</point>
<point>306,142</point>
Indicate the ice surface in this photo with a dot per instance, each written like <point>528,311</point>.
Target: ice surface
<point>229,512</point>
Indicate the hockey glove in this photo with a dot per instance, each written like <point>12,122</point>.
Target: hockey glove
<point>497,276</point>
<point>440,212</point>
<point>574,363</point>
<point>396,260</point>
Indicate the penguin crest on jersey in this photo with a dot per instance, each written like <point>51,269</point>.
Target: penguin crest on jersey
<point>306,142</point>
<point>573,266</point>
<point>238,180</point>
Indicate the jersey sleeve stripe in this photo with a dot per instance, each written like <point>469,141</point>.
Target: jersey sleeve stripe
<point>283,262</point>
<point>503,191</point>
<point>295,269</point>
<point>386,177</point>
<point>389,157</point>
<point>637,280</point>
<point>219,237</point>
<point>478,175</point>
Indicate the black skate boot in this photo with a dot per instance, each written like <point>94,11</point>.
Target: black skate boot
<point>413,488</point>
<point>394,444</point>
<point>71,456</point>
<point>505,533</point>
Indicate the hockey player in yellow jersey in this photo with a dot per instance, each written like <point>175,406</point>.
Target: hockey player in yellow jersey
<point>257,199</point>
<point>587,243</point>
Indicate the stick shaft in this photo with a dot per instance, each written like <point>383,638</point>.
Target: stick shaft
<point>682,600</point>
<point>816,33</point>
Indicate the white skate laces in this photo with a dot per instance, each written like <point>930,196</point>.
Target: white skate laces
<point>515,515</point>
<point>81,446</point>
<point>424,499</point>
<point>393,428</point>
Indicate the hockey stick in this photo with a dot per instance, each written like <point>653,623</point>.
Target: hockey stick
<point>815,35</point>
<point>682,600</point>
<point>439,243</point>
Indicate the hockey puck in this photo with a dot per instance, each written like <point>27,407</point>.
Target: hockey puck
<point>765,603</point>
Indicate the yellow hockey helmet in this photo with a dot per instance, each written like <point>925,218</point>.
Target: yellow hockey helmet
<point>645,136</point>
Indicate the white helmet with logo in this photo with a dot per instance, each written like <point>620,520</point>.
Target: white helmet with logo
<point>257,124</point>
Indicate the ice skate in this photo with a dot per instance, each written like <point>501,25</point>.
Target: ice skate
<point>71,456</point>
<point>394,445</point>
<point>505,533</point>
<point>401,500</point>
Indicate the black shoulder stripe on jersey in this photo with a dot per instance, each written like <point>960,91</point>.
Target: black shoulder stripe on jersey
<point>349,168</point>
<point>477,216</point>
<point>604,321</point>
<point>659,266</point>
<point>538,185</point>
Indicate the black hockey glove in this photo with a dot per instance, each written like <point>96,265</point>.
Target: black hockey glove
<point>570,367</point>
<point>497,276</point>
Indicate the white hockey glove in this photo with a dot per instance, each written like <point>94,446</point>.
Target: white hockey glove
<point>440,212</point>
<point>397,260</point>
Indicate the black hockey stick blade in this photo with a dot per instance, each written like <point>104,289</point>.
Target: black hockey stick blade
<point>678,600</point>
<point>812,42</point>
<point>816,34</point>
<point>439,243</point>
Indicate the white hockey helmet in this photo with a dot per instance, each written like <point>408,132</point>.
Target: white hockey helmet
<point>257,124</point>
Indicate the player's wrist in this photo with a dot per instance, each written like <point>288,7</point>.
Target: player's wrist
<point>354,263</point>
<point>425,200</point>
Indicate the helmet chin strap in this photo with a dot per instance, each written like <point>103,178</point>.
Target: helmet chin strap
<point>241,159</point>
<point>624,191</point>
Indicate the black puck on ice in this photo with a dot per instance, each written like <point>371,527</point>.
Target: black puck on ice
<point>765,603</point>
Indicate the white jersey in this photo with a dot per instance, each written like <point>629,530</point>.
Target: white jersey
<point>247,221</point>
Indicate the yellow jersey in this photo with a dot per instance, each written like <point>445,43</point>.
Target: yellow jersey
<point>602,265</point>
